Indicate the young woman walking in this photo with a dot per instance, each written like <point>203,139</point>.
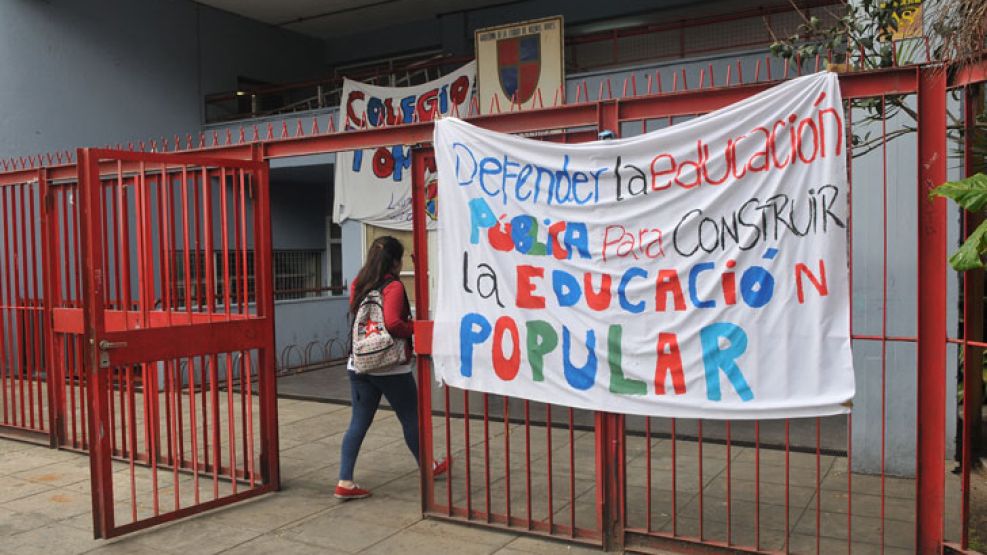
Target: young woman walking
<point>397,384</point>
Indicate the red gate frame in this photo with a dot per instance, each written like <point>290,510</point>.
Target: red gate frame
<point>159,343</point>
<point>929,84</point>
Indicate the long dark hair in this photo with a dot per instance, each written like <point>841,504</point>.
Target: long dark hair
<point>384,253</point>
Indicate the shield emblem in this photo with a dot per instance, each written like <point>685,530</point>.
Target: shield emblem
<point>519,66</point>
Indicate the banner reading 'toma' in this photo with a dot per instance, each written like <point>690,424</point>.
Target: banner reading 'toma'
<point>696,271</point>
<point>374,185</point>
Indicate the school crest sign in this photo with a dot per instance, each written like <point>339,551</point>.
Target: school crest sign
<point>698,271</point>
<point>520,64</point>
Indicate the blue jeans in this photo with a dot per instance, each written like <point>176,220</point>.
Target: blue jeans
<point>400,391</point>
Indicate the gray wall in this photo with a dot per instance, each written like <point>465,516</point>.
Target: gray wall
<point>298,210</point>
<point>894,369</point>
<point>96,72</point>
<point>453,32</point>
<point>321,323</point>
<point>231,45</point>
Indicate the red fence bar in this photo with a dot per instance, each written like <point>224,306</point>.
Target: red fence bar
<point>903,80</point>
<point>101,468</point>
<point>609,427</point>
<point>48,286</point>
<point>931,441</point>
<point>264,279</point>
<point>422,314</point>
<point>26,401</point>
<point>973,326</point>
<point>10,372</point>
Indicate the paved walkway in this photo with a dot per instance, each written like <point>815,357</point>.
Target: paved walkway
<point>45,503</point>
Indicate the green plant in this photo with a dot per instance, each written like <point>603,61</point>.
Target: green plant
<point>971,195</point>
<point>861,35</point>
<point>863,32</point>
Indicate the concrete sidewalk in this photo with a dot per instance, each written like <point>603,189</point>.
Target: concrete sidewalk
<point>45,503</point>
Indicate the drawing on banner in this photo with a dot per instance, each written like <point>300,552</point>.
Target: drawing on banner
<point>696,271</point>
<point>431,192</point>
<point>374,185</point>
<point>517,61</point>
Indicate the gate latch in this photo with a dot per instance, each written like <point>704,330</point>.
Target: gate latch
<point>104,351</point>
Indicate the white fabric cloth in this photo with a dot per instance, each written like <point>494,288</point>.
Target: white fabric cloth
<point>374,186</point>
<point>695,271</point>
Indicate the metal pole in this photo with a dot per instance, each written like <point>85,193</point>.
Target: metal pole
<point>931,440</point>
<point>610,427</point>
<point>49,259</point>
<point>92,295</point>
<point>973,322</point>
<point>421,313</point>
<point>266,379</point>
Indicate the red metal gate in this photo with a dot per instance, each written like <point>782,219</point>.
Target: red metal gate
<point>789,485</point>
<point>173,309</point>
<point>26,409</point>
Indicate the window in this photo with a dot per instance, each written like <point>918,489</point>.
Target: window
<point>408,267</point>
<point>336,285</point>
<point>297,274</point>
<point>408,271</point>
<point>240,278</point>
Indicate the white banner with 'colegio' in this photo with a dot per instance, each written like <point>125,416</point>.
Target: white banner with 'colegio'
<point>373,186</point>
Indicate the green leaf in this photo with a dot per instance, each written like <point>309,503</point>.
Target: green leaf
<point>970,193</point>
<point>969,255</point>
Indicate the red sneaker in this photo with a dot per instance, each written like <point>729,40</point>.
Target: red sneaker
<point>355,492</point>
<point>439,468</point>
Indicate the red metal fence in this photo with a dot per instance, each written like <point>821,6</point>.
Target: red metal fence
<point>26,391</point>
<point>597,478</point>
<point>120,325</point>
<point>789,485</point>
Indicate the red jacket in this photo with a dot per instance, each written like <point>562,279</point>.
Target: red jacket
<point>397,310</point>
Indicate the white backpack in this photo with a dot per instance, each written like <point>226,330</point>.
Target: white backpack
<point>374,348</point>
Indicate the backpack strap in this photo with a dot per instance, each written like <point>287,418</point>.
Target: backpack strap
<point>387,281</point>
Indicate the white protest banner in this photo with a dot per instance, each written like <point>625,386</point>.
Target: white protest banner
<point>374,186</point>
<point>698,271</point>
